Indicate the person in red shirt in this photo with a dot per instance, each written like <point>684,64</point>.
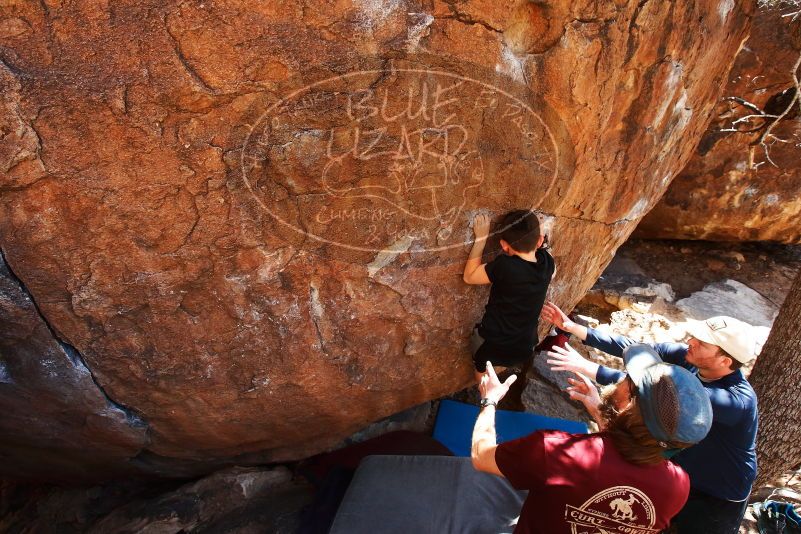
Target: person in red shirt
<point>616,481</point>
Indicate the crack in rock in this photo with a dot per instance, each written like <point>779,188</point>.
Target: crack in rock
<point>464,18</point>
<point>133,418</point>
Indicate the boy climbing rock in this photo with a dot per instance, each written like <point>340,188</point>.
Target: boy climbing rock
<point>507,334</point>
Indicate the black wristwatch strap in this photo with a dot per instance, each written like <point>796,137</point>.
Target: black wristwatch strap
<point>488,402</point>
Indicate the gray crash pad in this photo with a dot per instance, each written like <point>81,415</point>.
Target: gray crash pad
<point>426,494</point>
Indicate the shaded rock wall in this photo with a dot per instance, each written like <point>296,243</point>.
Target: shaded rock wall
<point>242,500</point>
<point>250,219</point>
<point>720,195</point>
<point>50,402</point>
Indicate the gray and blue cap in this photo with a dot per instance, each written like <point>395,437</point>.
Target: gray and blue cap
<point>672,400</point>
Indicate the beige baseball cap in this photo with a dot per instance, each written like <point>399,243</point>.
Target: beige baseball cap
<point>740,340</point>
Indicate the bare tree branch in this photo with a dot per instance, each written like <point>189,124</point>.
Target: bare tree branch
<point>747,118</point>
<point>745,103</point>
<point>767,132</point>
<point>795,15</point>
<point>757,122</point>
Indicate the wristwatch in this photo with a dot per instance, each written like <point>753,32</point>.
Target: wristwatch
<point>488,402</point>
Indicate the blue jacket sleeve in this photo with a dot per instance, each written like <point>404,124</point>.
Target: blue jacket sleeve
<point>614,344</point>
<point>727,407</point>
<point>607,375</point>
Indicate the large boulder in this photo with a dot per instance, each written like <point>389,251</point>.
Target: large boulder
<point>735,188</point>
<point>249,219</point>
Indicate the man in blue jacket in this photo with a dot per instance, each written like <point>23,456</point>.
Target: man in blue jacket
<point>722,467</point>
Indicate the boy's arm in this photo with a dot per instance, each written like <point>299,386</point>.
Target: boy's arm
<point>474,271</point>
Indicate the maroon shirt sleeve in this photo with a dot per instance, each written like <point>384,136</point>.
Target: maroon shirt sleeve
<point>522,461</point>
<point>682,492</point>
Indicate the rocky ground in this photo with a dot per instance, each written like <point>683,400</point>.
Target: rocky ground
<point>647,292</point>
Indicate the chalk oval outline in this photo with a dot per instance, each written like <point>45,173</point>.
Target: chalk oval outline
<point>558,154</point>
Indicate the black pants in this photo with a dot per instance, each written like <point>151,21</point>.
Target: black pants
<point>704,514</point>
<point>502,355</point>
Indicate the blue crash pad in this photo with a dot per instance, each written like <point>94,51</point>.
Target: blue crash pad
<point>455,422</point>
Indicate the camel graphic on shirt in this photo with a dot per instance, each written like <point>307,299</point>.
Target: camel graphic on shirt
<point>621,509</point>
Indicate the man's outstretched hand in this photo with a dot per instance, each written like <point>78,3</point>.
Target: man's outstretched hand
<point>491,387</point>
<point>482,449</point>
<point>582,390</point>
<point>567,359</point>
<point>552,314</point>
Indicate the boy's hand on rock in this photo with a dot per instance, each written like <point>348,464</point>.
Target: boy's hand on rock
<point>481,226</point>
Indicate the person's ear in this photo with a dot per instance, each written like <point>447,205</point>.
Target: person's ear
<point>540,241</point>
<point>727,360</point>
<point>505,246</point>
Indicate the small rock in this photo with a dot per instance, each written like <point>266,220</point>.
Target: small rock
<point>715,265</point>
<point>542,398</point>
<point>612,298</point>
<point>640,306</point>
<point>238,499</point>
<point>654,289</point>
<point>736,256</point>
<point>414,419</point>
<point>731,298</point>
<point>585,320</point>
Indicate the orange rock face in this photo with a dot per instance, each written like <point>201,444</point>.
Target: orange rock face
<point>731,190</point>
<point>250,219</point>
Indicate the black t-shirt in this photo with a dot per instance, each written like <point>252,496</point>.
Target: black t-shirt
<point>516,299</point>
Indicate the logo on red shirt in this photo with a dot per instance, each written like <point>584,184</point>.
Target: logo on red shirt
<point>621,509</point>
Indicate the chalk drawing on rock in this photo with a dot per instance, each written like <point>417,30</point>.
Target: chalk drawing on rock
<point>372,157</point>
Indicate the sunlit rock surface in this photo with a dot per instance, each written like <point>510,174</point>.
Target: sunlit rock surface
<point>735,188</point>
<point>250,219</point>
